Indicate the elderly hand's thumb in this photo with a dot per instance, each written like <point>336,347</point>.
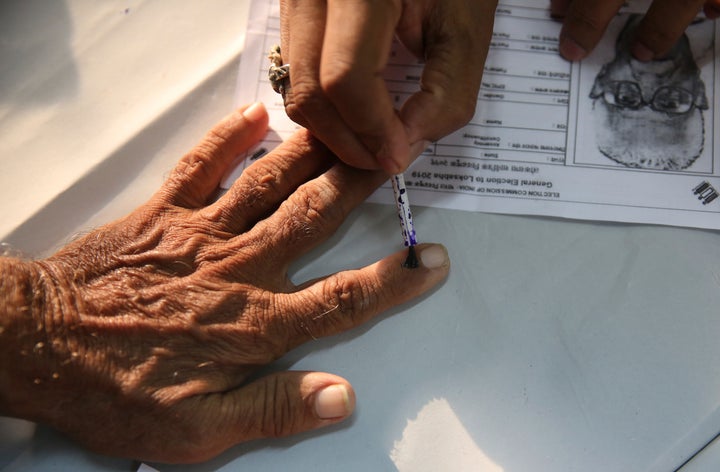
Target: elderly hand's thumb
<point>291,402</point>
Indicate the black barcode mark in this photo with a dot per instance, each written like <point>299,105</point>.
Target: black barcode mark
<point>258,154</point>
<point>705,192</point>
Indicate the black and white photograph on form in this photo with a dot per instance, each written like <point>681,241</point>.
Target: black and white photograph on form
<point>649,115</point>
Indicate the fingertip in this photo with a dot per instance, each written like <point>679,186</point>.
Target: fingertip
<point>392,166</point>
<point>711,11</point>
<point>394,159</point>
<point>434,256</point>
<point>334,402</point>
<point>641,52</point>
<point>424,267</point>
<point>256,113</point>
<point>571,50</point>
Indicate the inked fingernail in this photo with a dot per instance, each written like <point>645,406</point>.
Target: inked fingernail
<point>255,112</point>
<point>641,52</point>
<point>434,256</point>
<point>334,401</point>
<point>571,50</point>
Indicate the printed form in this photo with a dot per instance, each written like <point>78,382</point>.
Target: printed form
<point>606,139</point>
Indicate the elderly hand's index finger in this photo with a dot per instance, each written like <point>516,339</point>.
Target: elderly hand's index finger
<point>347,299</point>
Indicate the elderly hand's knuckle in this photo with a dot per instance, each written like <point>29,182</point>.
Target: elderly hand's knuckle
<point>265,326</point>
<point>199,163</point>
<point>353,295</point>
<point>204,153</point>
<point>259,188</point>
<point>312,216</point>
<point>318,201</point>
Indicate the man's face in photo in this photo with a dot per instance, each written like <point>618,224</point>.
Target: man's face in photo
<point>650,114</point>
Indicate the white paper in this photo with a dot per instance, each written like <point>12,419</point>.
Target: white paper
<point>538,143</point>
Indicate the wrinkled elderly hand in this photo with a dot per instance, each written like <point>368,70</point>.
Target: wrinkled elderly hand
<point>585,21</point>
<point>337,51</point>
<point>140,338</point>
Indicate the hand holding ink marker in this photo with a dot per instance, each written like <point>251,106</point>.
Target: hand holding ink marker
<point>406,221</point>
<point>279,75</point>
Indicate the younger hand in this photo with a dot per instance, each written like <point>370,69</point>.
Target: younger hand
<point>337,51</point>
<point>585,21</point>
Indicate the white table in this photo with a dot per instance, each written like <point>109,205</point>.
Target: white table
<point>554,345</point>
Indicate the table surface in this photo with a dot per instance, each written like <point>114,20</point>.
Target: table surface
<point>553,345</point>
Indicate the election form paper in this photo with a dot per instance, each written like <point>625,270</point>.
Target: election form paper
<point>605,139</point>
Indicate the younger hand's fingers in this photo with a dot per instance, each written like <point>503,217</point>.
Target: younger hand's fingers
<point>196,177</point>
<point>558,8</point>
<point>585,23</point>
<point>302,34</point>
<point>269,181</point>
<point>357,43</point>
<point>347,299</point>
<point>663,24</point>
<point>455,50</point>
<point>285,403</point>
<point>712,9</point>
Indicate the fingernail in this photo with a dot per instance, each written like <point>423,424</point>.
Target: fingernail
<point>571,50</point>
<point>434,256</point>
<point>417,148</point>
<point>388,163</point>
<point>641,52</point>
<point>255,112</point>
<point>333,402</point>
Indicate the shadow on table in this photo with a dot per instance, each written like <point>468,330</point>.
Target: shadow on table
<point>48,229</point>
<point>36,61</point>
